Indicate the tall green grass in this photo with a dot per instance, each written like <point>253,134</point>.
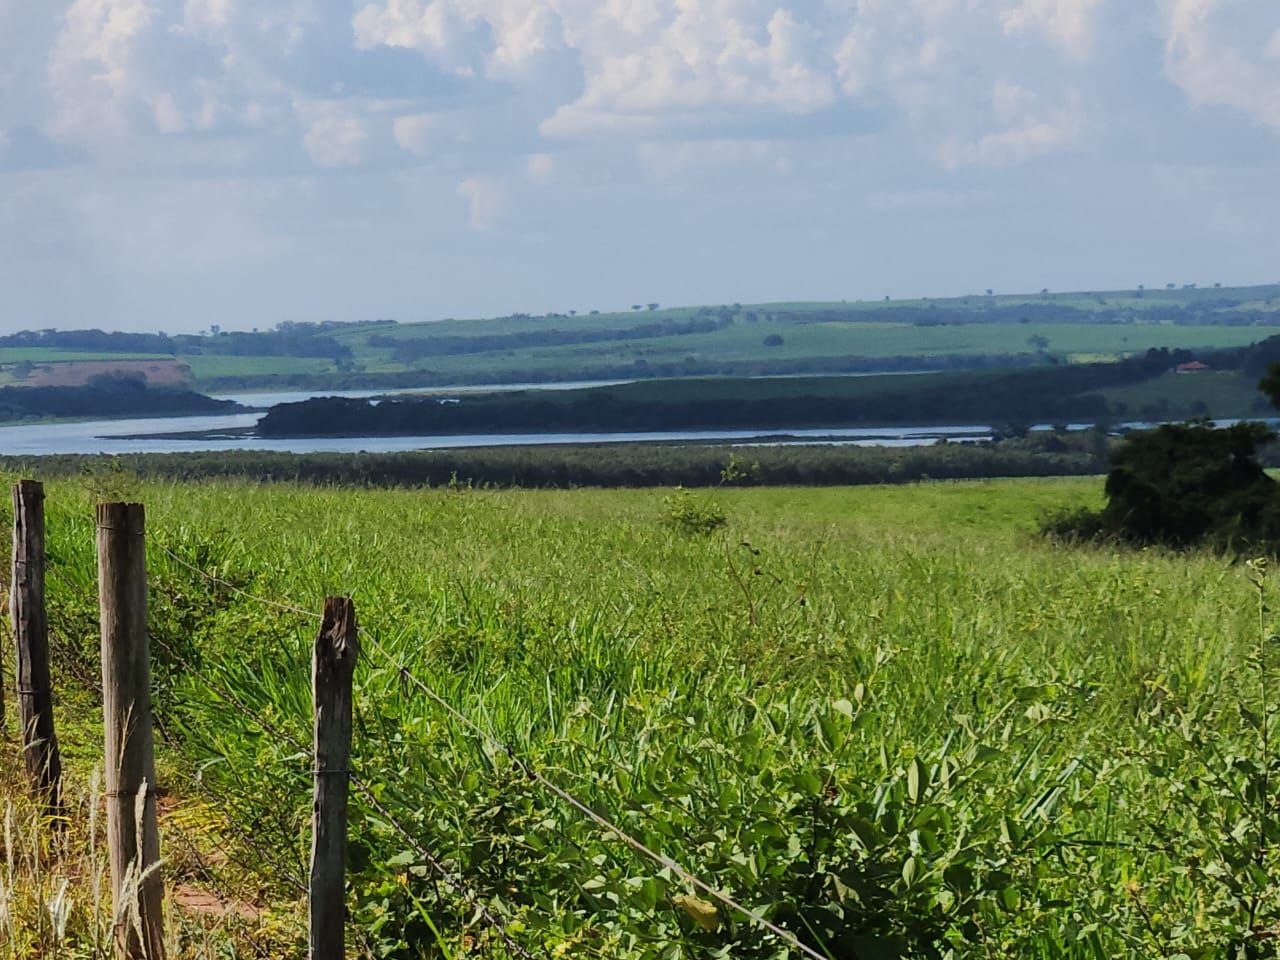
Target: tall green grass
<point>889,718</point>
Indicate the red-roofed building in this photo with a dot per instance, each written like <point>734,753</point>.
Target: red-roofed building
<point>1195,366</point>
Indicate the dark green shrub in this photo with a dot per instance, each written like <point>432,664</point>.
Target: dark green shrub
<point>691,515</point>
<point>1183,485</point>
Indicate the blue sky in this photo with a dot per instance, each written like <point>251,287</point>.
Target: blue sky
<point>169,165</point>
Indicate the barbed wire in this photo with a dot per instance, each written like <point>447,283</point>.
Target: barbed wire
<point>605,824</point>
<point>453,882</point>
<point>532,773</point>
<point>288,607</point>
<point>219,889</point>
<point>288,873</point>
<point>474,902</point>
<point>211,877</point>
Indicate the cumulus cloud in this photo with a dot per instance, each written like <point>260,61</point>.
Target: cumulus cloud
<point>1226,53</point>
<point>335,137</point>
<point>1069,23</point>
<point>438,29</point>
<point>670,161</point>
<point>907,104</point>
<point>703,57</point>
<point>541,168</point>
<point>486,198</point>
<point>433,136</point>
<point>1028,127</point>
<point>118,70</point>
<point>639,69</point>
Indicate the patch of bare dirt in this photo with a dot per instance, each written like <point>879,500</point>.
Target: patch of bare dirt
<point>76,373</point>
<point>194,899</point>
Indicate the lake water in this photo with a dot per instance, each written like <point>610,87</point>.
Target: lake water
<point>131,436</point>
<point>271,399</point>
<point>141,435</point>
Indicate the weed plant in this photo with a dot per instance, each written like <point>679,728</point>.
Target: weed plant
<point>893,720</point>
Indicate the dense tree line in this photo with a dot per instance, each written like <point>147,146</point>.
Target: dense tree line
<point>1254,360</point>
<point>418,348</point>
<point>1048,394</point>
<point>287,340</point>
<point>612,465</point>
<point>105,396</point>
<point>639,369</point>
<point>1219,311</point>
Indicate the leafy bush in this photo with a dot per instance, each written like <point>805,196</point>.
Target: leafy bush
<point>738,470</point>
<point>691,515</point>
<point>1183,485</point>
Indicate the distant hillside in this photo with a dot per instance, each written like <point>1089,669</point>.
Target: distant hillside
<point>106,396</point>
<point>1146,387</point>
<point>647,342</point>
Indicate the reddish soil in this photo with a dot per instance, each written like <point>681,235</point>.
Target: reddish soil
<point>195,900</point>
<point>75,373</point>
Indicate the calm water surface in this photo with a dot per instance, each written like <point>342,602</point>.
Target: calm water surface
<point>141,435</point>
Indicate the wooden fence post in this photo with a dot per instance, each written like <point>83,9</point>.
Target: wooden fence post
<point>31,638</point>
<point>332,666</point>
<point>136,887</point>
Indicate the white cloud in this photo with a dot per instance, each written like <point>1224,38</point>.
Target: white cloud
<point>697,57</point>
<point>486,197</point>
<point>1028,127</point>
<point>567,108</point>
<point>579,69</point>
<point>121,69</point>
<point>1069,23</point>
<point>436,29</point>
<point>673,160</point>
<point>334,136</point>
<point>432,135</point>
<point>541,168</point>
<point>1226,53</point>
<point>97,73</point>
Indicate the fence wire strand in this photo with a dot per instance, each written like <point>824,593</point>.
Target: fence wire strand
<point>529,771</point>
<point>453,882</point>
<point>474,902</point>
<point>605,824</point>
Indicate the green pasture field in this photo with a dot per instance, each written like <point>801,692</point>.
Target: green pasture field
<point>744,343</point>
<point>50,355</point>
<point>1214,393</point>
<point>893,720</point>
<point>954,332</point>
<point>514,324</point>
<point>208,366</point>
<point>971,308</point>
<point>1119,323</point>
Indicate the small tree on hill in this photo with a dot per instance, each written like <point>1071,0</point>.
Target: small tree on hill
<point>1183,485</point>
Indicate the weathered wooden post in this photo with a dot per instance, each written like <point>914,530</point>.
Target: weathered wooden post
<point>332,666</point>
<point>133,840</point>
<point>31,638</point>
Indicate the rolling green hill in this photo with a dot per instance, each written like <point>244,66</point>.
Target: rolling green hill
<point>781,338</point>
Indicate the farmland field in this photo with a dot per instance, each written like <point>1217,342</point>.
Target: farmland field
<point>801,343</point>
<point>954,333</point>
<point>893,719</point>
<point>10,355</point>
<point>212,366</point>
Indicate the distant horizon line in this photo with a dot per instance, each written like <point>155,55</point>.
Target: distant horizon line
<point>652,307</point>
